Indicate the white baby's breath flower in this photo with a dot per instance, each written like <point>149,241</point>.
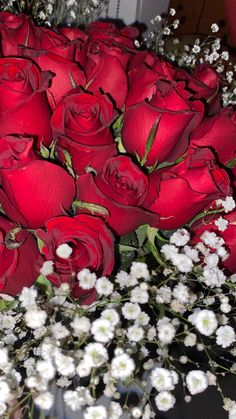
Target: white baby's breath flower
<point>63,382</point>
<point>225,336</point>
<point>232,412</point>
<point>4,359</point>
<point>135,333</point>
<point>122,367</point>
<point>96,354</point>
<point>27,297</point>
<point>139,270</point>
<point>142,319</point>
<point>131,311</point>
<point>102,330</point>
<point>64,251</point>
<point>73,400</point>
<point>228,204</point>
<point>180,237</point>
<point>190,340</point>
<point>182,262</point>
<point>47,268</point>
<point>5,391</point>
<point>221,223</point>
<point>166,332</point>
<point>169,250</point>
<point>181,293</point>
<point>35,318</point>
<point>45,369</point>
<point>164,401</point>
<point>164,294</point>
<point>95,412</point>
<point>80,325</point>
<point>111,315</point>
<point>196,381</point>
<point>84,368</point>
<point>44,400</point>
<point>104,286</point>
<point>214,27</point>
<point>59,331</point>
<point>139,295</point>
<point>64,364</point>
<point>87,279</point>
<point>125,280</point>
<point>191,253</point>
<point>163,379</point>
<point>205,322</point>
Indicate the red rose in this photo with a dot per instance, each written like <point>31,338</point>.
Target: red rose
<point>218,132</point>
<point>204,83</point>
<point>105,72</point>
<point>16,30</point>
<point>15,151</point>
<point>175,116</point>
<point>53,52</point>
<point>180,192</point>
<point>19,259</point>
<point>66,73</point>
<point>81,124</point>
<point>121,188</point>
<point>145,70</point>
<point>32,191</point>
<point>229,236</point>
<point>91,243</point>
<point>24,109</point>
<point>106,37</point>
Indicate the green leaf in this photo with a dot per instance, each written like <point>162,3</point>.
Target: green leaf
<point>141,233</point>
<point>151,234</point>
<point>94,208</point>
<point>45,153</point>
<point>45,285</point>
<point>125,248</point>
<point>150,140</point>
<point>3,305</point>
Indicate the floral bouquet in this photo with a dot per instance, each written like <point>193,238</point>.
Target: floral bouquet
<point>118,224</point>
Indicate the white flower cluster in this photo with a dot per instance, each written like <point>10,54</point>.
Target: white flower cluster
<point>130,328</point>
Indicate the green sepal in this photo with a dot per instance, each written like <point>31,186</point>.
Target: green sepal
<point>44,151</point>
<point>45,285</point>
<point>94,208</point>
<point>150,140</point>
<point>68,163</point>
<point>40,245</point>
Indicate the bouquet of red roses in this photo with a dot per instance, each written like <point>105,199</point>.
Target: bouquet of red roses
<point>97,139</point>
<point>103,144</point>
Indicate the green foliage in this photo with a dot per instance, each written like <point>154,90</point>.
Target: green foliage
<point>44,285</point>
